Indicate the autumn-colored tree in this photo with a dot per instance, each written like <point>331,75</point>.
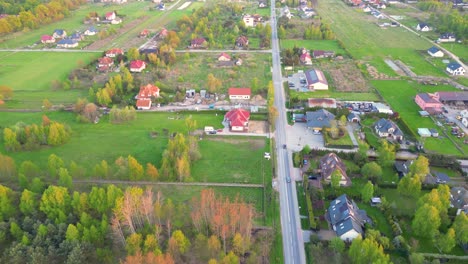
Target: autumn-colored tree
<point>46,104</point>
<point>133,54</point>
<point>135,169</point>
<point>367,251</point>
<point>386,154</point>
<point>133,245</point>
<point>152,172</point>
<point>6,92</point>
<point>426,221</point>
<point>65,179</point>
<point>178,243</point>
<point>460,225</point>
<point>213,83</point>
<point>230,258</point>
<point>54,164</point>
<point>8,168</point>
<point>90,112</point>
<point>420,167</point>
<point>409,186</point>
<point>10,140</point>
<point>214,246</point>
<point>445,242</point>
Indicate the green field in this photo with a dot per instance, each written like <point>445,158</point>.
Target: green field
<point>30,75</point>
<point>461,50</point>
<point>400,95</point>
<point>73,23</point>
<point>349,96</point>
<point>368,42</point>
<point>313,45</point>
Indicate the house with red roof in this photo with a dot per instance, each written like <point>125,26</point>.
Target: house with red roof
<point>145,96</point>
<point>104,64</point>
<point>137,66</point>
<point>163,33</point>
<point>198,43</point>
<point>305,57</point>
<point>429,103</point>
<point>239,93</point>
<point>144,33</point>
<point>112,53</point>
<point>47,39</point>
<point>316,80</point>
<point>242,41</point>
<point>238,120</point>
<point>111,16</point>
<point>224,57</point>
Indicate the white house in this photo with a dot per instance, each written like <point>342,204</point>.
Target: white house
<point>423,27</point>
<point>454,68</point>
<point>446,37</point>
<point>346,219</point>
<point>435,52</point>
<point>239,93</point>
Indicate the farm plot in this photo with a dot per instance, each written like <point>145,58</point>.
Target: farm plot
<point>371,44</point>
<point>30,75</point>
<point>313,45</point>
<point>346,76</point>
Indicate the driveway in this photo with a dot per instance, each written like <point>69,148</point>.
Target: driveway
<point>298,136</point>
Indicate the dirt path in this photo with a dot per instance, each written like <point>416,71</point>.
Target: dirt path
<point>243,185</point>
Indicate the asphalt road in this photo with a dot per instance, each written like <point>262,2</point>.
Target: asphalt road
<point>293,245</point>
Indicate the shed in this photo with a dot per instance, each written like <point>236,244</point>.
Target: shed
<point>424,113</point>
<point>375,201</point>
<point>434,132</point>
<point>424,132</point>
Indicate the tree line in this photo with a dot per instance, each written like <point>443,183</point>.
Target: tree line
<point>29,137</point>
<point>25,14</point>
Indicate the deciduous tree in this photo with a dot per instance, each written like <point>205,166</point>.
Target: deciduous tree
<point>426,221</point>
<point>367,251</point>
<point>371,171</point>
<point>28,202</point>
<point>55,203</point>
<point>409,186</point>
<point>367,192</point>
<point>460,225</point>
<point>7,209</point>
<point>386,154</point>
<point>445,242</point>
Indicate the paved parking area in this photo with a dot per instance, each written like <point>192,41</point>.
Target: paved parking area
<point>297,136</point>
<point>295,79</point>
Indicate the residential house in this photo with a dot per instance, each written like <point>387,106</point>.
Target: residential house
<point>239,93</point>
<point>318,119</point>
<point>402,167</point>
<point>386,128</point>
<point>137,66</point>
<point>105,63</point>
<point>353,117</point>
<point>346,219</point>
<point>381,6</point>
<point>434,132</point>
<point>161,6</point>
<point>305,58</point>
<point>114,52</point>
<point>429,103</point>
<point>441,177</point>
<point>330,164</point>
<point>322,102</point>
<point>459,199</point>
<point>455,68</point>
<point>144,33</point>
<point>366,9</point>
<point>46,39</point>
<point>224,57</point>
<point>145,96</point>
<point>119,1</point>
<point>446,37</point>
<point>262,4</point>
<point>198,43</point>
<point>242,41</point>
<point>59,34</point>
<point>299,118</point>
<point>77,36</point>
<point>111,16</point>
<point>316,80</point>
<point>423,27</point>
<point>319,54</point>
<point>238,120</point>
<point>424,132</point>
<point>377,14</point>
<point>116,21</point>
<point>163,33</point>
<point>464,121</point>
<point>453,98</point>
<point>67,43</point>
<point>252,20</point>
<point>91,31</point>
<point>238,62</point>
<point>435,52</point>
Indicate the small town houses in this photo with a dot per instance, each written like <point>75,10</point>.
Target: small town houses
<point>435,52</point>
<point>114,52</point>
<point>145,96</point>
<point>455,68</point>
<point>46,39</point>
<point>137,66</point>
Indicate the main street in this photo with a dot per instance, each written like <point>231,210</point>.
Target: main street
<point>293,245</point>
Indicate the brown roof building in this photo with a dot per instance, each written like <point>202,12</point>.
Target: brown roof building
<point>331,163</point>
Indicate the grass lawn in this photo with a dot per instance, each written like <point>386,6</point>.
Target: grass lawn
<point>449,172</point>
<point>369,43</point>
<point>91,143</point>
<point>345,140</point>
<point>459,49</point>
<point>30,75</point>
<point>400,95</point>
<point>403,205</point>
<point>304,214</point>
<point>313,45</point>
<point>129,12</point>
<point>223,157</point>
<point>380,222</point>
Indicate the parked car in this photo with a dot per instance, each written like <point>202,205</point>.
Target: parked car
<point>212,132</point>
<point>312,177</point>
<point>284,146</point>
<point>288,179</point>
<point>305,162</point>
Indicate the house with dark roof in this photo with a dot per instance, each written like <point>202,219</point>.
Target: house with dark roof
<point>346,219</point>
<point>423,27</point>
<point>331,163</point>
<point>386,128</point>
<point>316,80</point>
<point>429,103</point>
<point>435,52</point>
<point>402,167</point>
<point>319,54</point>
<point>59,33</point>
<point>441,177</point>
<point>67,43</point>
<point>299,118</point>
<point>198,43</point>
<point>446,37</point>
<point>238,120</point>
<point>353,117</point>
<point>318,119</point>
<point>459,199</point>
<point>77,36</point>
<point>242,41</point>
<point>91,31</point>
<point>453,98</point>
<point>239,93</point>
<point>454,68</point>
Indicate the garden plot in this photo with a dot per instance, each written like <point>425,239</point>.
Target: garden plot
<point>346,76</point>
